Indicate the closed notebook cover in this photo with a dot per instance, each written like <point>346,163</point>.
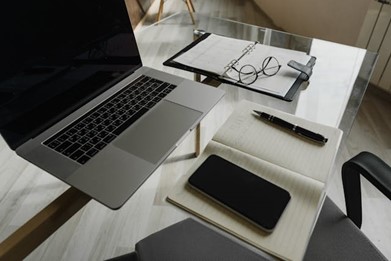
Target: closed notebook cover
<point>244,193</point>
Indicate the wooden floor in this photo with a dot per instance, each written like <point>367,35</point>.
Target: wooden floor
<point>371,132</point>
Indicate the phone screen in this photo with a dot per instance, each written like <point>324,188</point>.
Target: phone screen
<point>250,196</point>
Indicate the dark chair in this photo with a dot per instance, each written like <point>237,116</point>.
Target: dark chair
<point>335,237</point>
<point>189,240</point>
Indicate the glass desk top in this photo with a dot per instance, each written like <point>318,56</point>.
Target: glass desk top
<point>332,97</point>
<point>336,87</point>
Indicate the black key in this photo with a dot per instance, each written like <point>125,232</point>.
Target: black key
<point>100,145</point>
<point>88,120</point>
<point>102,134</point>
<point>98,120</point>
<point>130,121</point>
<point>53,144</point>
<point>137,107</point>
<point>74,138</point>
<point>162,87</point>
<point>109,138</point>
<point>95,115</point>
<point>83,140</point>
<point>92,152</point>
<point>150,104</point>
<point>82,132</point>
<point>79,126</point>
<point>113,117</point>
<point>77,154</point>
<point>63,146</point>
<point>99,128</point>
<point>110,128</point>
<point>83,159</point>
<point>162,95</point>
<point>156,99</point>
<point>63,138</point>
<point>71,131</point>
<point>172,86</point>
<point>71,149</point>
<point>102,110</point>
<point>86,147</point>
<point>105,115</point>
<point>117,123</point>
<point>124,117</point>
<point>91,134</point>
<point>95,140</point>
<point>91,126</point>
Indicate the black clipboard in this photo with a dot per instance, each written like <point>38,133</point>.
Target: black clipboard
<point>288,97</point>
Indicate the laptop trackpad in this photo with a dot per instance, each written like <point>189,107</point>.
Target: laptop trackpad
<point>157,132</point>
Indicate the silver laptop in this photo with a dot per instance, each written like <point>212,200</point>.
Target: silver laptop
<point>76,101</point>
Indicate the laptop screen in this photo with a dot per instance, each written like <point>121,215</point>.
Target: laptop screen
<point>55,56</point>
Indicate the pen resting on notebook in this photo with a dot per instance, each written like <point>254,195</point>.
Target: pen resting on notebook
<point>316,137</point>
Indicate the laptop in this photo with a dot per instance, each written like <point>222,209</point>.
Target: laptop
<point>76,101</point>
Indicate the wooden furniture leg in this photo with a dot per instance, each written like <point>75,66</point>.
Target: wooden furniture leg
<point>140,6</point>
<point>198,140</point>
<point>189,5</point>
<point>191,8</point>
<point>160,12</point>
<point>29,236</point>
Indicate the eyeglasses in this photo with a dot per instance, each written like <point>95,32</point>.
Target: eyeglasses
<point>248,74</point>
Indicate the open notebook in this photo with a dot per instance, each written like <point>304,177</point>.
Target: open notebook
<point>295,164</point>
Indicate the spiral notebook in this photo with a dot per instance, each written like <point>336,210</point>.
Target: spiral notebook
<point>215,56</point>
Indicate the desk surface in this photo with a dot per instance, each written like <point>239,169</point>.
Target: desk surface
<point>333,96</point>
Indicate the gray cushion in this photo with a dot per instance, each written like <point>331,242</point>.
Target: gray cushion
<point>189,240</point>
<point>336,237</point>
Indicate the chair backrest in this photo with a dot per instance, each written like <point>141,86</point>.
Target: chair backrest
<point>374,170</point>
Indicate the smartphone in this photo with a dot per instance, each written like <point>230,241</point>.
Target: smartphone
<point>248,195</point>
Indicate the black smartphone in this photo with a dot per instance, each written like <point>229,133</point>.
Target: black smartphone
<point>252,197</point>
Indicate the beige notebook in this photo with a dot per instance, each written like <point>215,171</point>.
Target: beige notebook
<point>295,164</point>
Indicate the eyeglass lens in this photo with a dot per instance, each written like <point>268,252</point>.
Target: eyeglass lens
<point>248,74</point>
<point>270,66</point>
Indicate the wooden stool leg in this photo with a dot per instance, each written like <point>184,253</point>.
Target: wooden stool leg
<point>159,14</point>
<point>188,3</point>
<point>140,6</point>
<point>192,6</point>
<point>198,140</point>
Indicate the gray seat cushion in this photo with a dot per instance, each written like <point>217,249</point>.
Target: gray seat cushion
<point>189,240</point>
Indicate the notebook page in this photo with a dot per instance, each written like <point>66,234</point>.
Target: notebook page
<point>292,232</point>
<point>213,53</point>
<point>247,132</point>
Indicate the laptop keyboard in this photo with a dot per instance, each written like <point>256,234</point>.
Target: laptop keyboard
<point>85,137</point>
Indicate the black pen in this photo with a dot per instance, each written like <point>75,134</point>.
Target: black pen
<point>292,127</point>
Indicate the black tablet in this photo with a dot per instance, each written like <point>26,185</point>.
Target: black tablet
<point>252,197</point>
